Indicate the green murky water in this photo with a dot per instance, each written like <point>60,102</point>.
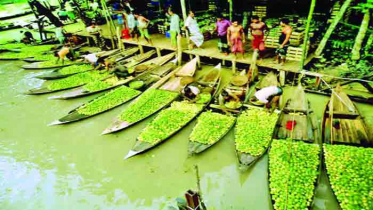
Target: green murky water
<point>73,167</point>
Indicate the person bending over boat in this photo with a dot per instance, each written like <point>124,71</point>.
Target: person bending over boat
<point>231,99</point>
<point>65,52</point>
<point>268,96</point>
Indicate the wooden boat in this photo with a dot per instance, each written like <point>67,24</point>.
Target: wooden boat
<point>170,83</point>
<point>342,122</point>
<point>297,123</point>
<point>147,66</point>
<point>269,80</point>
<point>210,80</point>
<point>56,74</point>
<point>195,147</point>
<point>148,78</point>
<point>297,109</point>
<point>11,16</point>
<point>44,89</point>
<point>36,66</point>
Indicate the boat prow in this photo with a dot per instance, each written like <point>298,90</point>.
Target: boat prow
<point>130,154</point>
<point>116,126</point>
<point>57,122</point>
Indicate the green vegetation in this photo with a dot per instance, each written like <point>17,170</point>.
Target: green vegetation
<point>211,127</point>
<point>12,46</point>
<point>14,55</point>
<point>254,131</point>
<point>108,101</point>
<point>293,170</point>
<point>149,102</point>
<point>96,86</point>
<point>169,121</point>
<point>350,171</point>
<point>75,69</point>
<point>26,51</point>
<point>41,57</point>
<point>52,63</point>
<point>77,80</point>
<point>204,98</point>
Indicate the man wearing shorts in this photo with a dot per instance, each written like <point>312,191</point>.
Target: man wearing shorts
<point>257,30</point>
<point>284,41</point>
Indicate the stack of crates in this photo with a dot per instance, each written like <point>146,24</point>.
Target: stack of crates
<point>334,12</point>
<point>272,38</point>
<point>295,53</point>
<point>297,38</point>
<point>213,5</point>
<point>260,11</point>
<point>162,29</point>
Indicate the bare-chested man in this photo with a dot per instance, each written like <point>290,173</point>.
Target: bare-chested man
<point>284,41</point>
<point>236,38</point>
<point>257,30</point>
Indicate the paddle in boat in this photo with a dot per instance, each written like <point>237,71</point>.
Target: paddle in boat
<point>110,83</point>
<point>180,113</point>
<point>117,96</point>
<point>218,119</point>
<point>295,155</point>
<point>160,95</point>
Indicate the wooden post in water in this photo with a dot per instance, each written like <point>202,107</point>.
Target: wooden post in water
<point>158,52</point>
<point>306,37</point>
<point>198,62</point>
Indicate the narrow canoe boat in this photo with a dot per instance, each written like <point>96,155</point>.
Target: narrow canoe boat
<point>61,73</point>
<point>342,122</point>
<point>70,82</point>
<point>115,97</point>
<point>269,80</point>
<point>345,135</point>
<point>147,66</point>
<point>250,123</point>
<point>295,155</point>
<point>171,120</point>
<point>50,65</point>
<point>218,119</point>
<point>160,95</point>
<point>39,66</point>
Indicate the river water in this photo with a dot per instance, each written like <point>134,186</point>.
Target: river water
<point>74,167</point>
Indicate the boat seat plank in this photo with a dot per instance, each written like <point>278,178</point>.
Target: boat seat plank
<point>300,130</point>
<point>343,115</point>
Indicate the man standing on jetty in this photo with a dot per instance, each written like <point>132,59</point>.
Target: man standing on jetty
<point>222,26</point>
<point>284,41</point>
<point>174,26</point>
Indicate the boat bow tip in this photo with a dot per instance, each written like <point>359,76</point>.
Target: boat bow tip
<point>57,122</point>
<point>130,154</point>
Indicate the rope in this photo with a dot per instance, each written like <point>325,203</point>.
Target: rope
<point>336,94</point>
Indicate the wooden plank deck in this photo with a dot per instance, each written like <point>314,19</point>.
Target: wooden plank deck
<point>209,49</point>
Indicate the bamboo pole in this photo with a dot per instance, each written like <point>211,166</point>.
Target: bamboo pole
<point>103,3</point>
<point>306,37</point>
<point>332,26</point>
<point>230,10</point>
